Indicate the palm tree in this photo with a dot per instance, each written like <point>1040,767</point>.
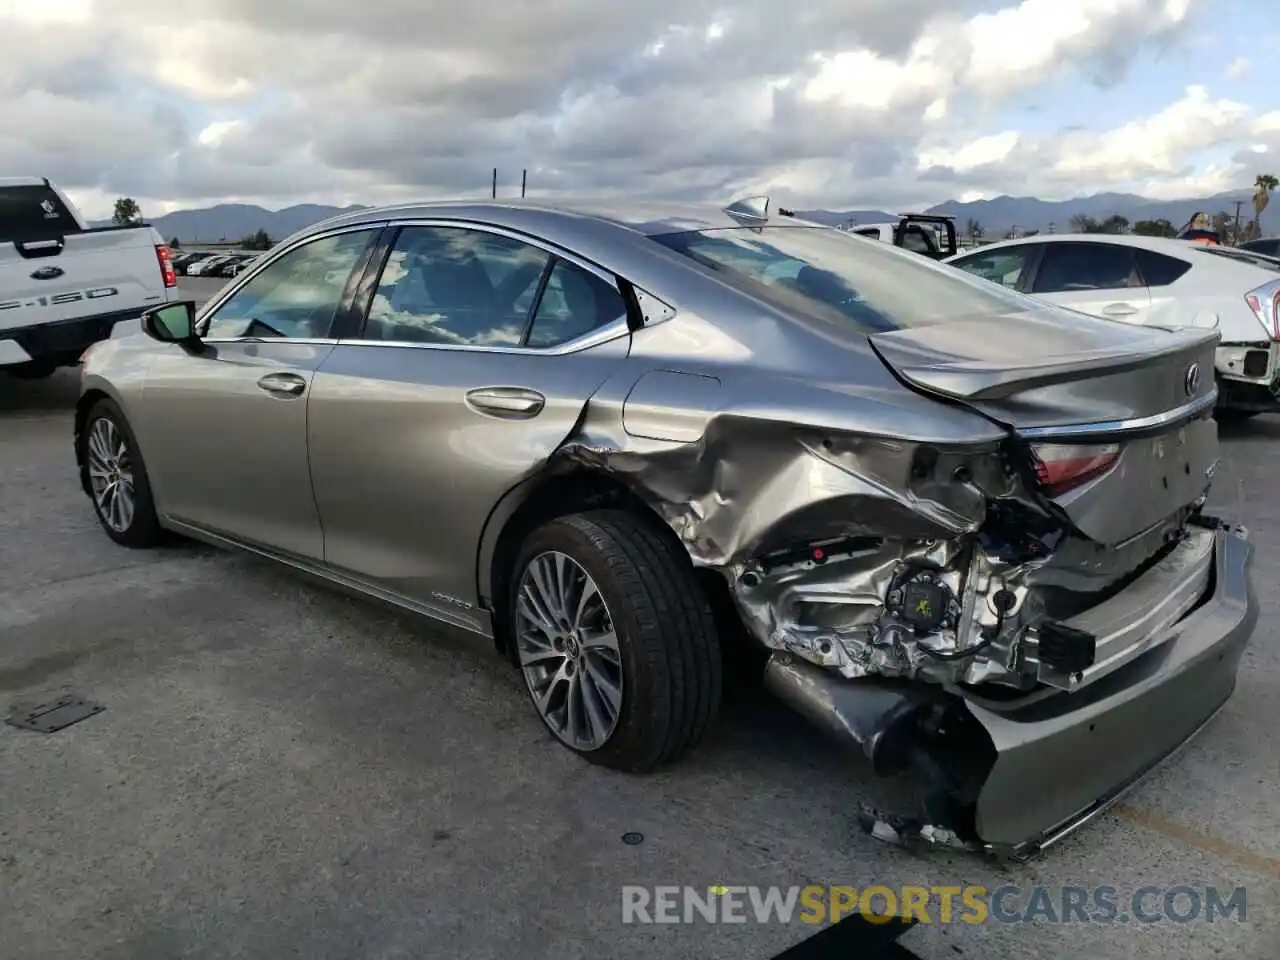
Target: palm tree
<point>1262,188</point>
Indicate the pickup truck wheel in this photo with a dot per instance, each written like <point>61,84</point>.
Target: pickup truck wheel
<point>117,478</point>
<point>615,639</point>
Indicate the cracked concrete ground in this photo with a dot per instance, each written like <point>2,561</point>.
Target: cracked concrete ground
<point>281,771</point>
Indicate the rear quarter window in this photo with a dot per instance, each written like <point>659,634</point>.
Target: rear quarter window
<point>29,213</point>
<point>1159,270</point>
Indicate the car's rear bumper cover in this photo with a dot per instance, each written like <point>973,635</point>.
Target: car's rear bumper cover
<point>1064,759</point>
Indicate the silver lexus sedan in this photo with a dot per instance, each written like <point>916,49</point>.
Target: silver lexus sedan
<point>960,529</point>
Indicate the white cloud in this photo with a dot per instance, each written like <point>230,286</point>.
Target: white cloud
<point>1239,67</point>
<point>869,102</point>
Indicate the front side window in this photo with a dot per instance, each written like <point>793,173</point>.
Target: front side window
<point>296,296</point>
<point>1003,266</point>
<point>833,276</point>
<point>463,287</point>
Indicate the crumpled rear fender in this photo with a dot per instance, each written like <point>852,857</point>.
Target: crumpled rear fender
<point>733,471</point>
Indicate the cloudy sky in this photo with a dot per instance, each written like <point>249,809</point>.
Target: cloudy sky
<point>836,103</point>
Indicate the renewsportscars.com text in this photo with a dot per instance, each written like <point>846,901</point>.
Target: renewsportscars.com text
<point>933,904</point>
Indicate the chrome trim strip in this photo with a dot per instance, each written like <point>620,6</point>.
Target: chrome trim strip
<point>1155,421</point>
<point>313,341</point>
<point>606,334</point>
<point>333,577</point>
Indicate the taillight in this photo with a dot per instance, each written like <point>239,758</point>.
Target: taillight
<point>166,266</point>
<point>1265,304</point>
<point>1061,467</point>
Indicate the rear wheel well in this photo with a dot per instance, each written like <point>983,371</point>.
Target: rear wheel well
<point>566,493</point>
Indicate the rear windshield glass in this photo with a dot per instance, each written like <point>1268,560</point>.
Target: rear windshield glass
<point>33,213</point>
<point>823,272</point>
<point>1245,256</point>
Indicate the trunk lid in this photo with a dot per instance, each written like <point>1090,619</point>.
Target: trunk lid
<point>1128,408</point>
<point>78,275</point>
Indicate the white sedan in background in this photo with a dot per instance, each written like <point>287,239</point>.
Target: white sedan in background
<point>1158,282</point>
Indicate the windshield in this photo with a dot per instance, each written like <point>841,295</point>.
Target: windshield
<point>1245,256</point>
<point>829,273</point>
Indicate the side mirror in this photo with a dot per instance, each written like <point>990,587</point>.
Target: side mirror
<point>172,322</point>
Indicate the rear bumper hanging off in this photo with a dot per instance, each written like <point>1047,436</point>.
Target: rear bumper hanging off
<point>1054,761</point>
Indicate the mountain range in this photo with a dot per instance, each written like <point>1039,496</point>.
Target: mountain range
<point>231,221</point>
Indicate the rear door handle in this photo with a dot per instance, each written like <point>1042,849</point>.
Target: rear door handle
<point>1119,310</point>
<point>283,384</point>
<point>509,403</point>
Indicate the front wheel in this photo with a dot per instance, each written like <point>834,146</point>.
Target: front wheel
<point>116,478</point>
<point>615,639</point>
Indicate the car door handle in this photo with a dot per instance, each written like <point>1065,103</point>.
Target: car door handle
<point>283,384</point>
<point>511,403</point>
<point>1119,310</point>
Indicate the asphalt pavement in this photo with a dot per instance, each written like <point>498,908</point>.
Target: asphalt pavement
<point>281,771</point>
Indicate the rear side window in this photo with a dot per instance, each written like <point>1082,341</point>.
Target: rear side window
<point>1159,270</point>
<point>30,213</point>
<point>1068,267</point>
<point>573,304</point>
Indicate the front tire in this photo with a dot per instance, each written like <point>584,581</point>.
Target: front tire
<point>117,479</point>
<point>615,639</point>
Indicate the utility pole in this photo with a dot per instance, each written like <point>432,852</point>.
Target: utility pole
<point>524,178</point>
<point>1239,204</point>
<point>494,192</point>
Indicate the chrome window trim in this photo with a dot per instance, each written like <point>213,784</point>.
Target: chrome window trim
<point>611,331</point>
<point>263,262</point>
<point>603,334</point>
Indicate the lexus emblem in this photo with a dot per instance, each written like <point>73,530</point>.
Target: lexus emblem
<point>1191,383</point>
<point>47,273</point>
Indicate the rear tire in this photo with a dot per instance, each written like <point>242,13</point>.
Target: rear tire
<point>663,659</point>
<point>117,479</point>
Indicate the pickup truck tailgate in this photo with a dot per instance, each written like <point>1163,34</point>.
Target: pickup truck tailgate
<point>79,275</point>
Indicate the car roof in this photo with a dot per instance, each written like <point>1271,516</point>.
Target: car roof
<point>648,217</point>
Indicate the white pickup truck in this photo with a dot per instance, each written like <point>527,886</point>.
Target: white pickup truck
<point>63,284</point>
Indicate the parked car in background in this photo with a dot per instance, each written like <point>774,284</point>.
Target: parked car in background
<point>244,263</point>
<point>1160,282</point>
<point>208,267</point>
<point>232,266</point>
<point>964,528</point>
<point>64,284</point>
<point>1269,246</point>
<point>184,261</point>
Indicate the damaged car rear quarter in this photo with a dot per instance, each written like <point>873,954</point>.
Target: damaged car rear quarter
<point>922,601</point>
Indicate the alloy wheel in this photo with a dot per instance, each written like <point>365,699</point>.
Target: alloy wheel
<point>111,474</point>
<point>568,650</point>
